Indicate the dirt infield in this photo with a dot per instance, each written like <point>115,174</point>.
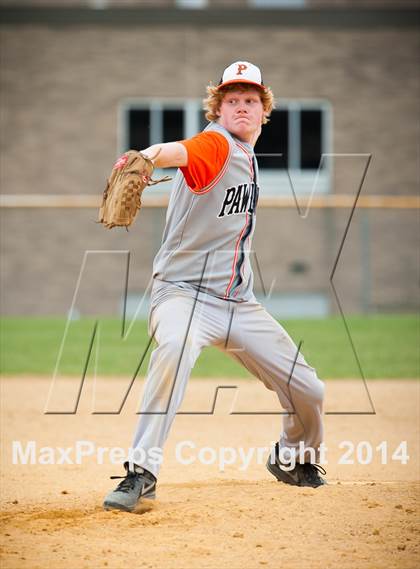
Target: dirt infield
<point>367,517</point>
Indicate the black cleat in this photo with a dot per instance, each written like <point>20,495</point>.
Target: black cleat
<point>301,475</point>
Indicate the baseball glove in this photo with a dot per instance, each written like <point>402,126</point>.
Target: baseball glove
<point>122,196</point>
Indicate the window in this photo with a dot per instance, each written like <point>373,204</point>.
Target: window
<point>310,136</point>
<point>302,149</point>
<point>138,133</point>
<point>274,139</point>
<point>289,149</point>
<point>172,125</point>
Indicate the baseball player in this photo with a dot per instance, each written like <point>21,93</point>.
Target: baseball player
<point>203,290</point>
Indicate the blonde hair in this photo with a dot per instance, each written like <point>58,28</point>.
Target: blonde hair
<point>215,97</point>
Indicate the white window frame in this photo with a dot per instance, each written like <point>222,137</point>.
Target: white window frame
<point>192,4</point>
<point>272,181</point>
<point>277,3</point>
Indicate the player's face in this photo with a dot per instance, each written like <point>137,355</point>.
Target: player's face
<point>241,113</point>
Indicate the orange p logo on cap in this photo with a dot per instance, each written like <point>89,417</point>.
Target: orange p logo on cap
<point>241,67</point>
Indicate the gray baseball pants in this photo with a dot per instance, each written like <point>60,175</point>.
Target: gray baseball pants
<point>183,322</point>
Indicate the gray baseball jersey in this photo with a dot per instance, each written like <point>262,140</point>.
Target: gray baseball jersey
<point>208,234</point>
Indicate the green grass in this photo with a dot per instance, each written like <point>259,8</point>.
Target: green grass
<point>387,347</point>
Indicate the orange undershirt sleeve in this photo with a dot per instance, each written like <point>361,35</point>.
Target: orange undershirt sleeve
<point>207,154</point>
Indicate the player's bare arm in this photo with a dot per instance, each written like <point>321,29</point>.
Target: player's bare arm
<point>167,155</point>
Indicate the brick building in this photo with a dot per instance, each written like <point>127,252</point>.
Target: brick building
<point>83,81</point>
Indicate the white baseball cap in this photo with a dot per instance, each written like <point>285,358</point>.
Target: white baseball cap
<point>241,72</point>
